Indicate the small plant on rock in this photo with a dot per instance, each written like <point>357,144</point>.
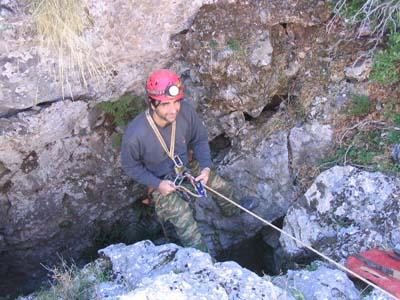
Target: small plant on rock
<point>234,44</point>
<point>122,111</point>
<point>69,282</point>
<point>360,105</point>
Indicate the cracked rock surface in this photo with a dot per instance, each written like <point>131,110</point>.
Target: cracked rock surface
<point>345,211</point>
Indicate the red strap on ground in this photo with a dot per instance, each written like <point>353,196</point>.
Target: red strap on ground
<point>382,276</point>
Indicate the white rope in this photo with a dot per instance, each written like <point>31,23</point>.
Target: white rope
<point>343,268</point>
<point>186,190</point>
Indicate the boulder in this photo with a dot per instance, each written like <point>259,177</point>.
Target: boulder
<point>310,143</point>
<point>396,153</point>
<point>345,211</point>
<point>172,272</point>
<point>318,281</point>
<point>360,69</point>
<point>261,168</point>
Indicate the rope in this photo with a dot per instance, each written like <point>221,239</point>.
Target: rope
<point>343,268</point>
<point>186,190</point>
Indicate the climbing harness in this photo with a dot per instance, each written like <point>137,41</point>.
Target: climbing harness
<point>182,174</point>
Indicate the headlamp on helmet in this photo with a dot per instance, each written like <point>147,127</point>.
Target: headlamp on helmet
<point>173,91</point>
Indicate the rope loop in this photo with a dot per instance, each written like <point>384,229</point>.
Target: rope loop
<point>197,185</point>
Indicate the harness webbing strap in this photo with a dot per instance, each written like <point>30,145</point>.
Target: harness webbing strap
<point>171,150</point>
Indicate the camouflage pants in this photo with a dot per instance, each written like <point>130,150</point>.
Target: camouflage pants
<point>175,209</point>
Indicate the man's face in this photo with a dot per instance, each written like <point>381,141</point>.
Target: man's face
<point>167,111</point>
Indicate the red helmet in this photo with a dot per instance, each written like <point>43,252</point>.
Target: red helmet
<point>164,85</point>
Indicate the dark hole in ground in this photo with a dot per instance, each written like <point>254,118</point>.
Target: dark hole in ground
<point>247,117</point>
<point>273,105</point>
<point>253,254</point>
<point>261,254</point>
<point>184,31</point>
<point>219,146</point>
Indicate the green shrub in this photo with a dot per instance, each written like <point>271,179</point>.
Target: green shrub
<point>367,148</point>
<point>393,137</point>
<point>360,105</point>
<point>234,44</point>
<point>351,8</point>
<point>396,119</point>
<point>391,112</point>
<point>387,62</point>
<point>124,109</point>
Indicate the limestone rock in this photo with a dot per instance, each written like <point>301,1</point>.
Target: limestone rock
<point>360,70</point>
<point>262,170</point>
<point>58,180</point>
<point>396,153</point>
<point>321,283</point>
<point>243,55</point>
<point>310,143</point>
<point>345,211</point>
<point>172,272</point>
<point>28,70</point>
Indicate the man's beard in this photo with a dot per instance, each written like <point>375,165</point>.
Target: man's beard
<point>162,117</point>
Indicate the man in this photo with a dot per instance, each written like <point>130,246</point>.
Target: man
<point>155,147</point>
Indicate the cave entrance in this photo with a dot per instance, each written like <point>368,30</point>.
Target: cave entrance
<point>261,253</point>
<point>254,254</point>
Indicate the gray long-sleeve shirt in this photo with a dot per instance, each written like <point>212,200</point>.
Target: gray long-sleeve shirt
<point>143,157</point>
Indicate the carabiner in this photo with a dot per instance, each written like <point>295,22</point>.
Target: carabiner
<point>177,161</point>
<point>179,167</point>
<point>200,188</point>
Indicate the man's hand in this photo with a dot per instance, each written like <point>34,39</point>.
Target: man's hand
<point>204,175</point>
<point>166,187</point>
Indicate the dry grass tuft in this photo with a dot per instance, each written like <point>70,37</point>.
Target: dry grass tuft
<point>60,25</point>
<point>70,282</point>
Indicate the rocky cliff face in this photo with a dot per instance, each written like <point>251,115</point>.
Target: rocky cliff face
<point>260,74</point>
<point>133,37</point>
